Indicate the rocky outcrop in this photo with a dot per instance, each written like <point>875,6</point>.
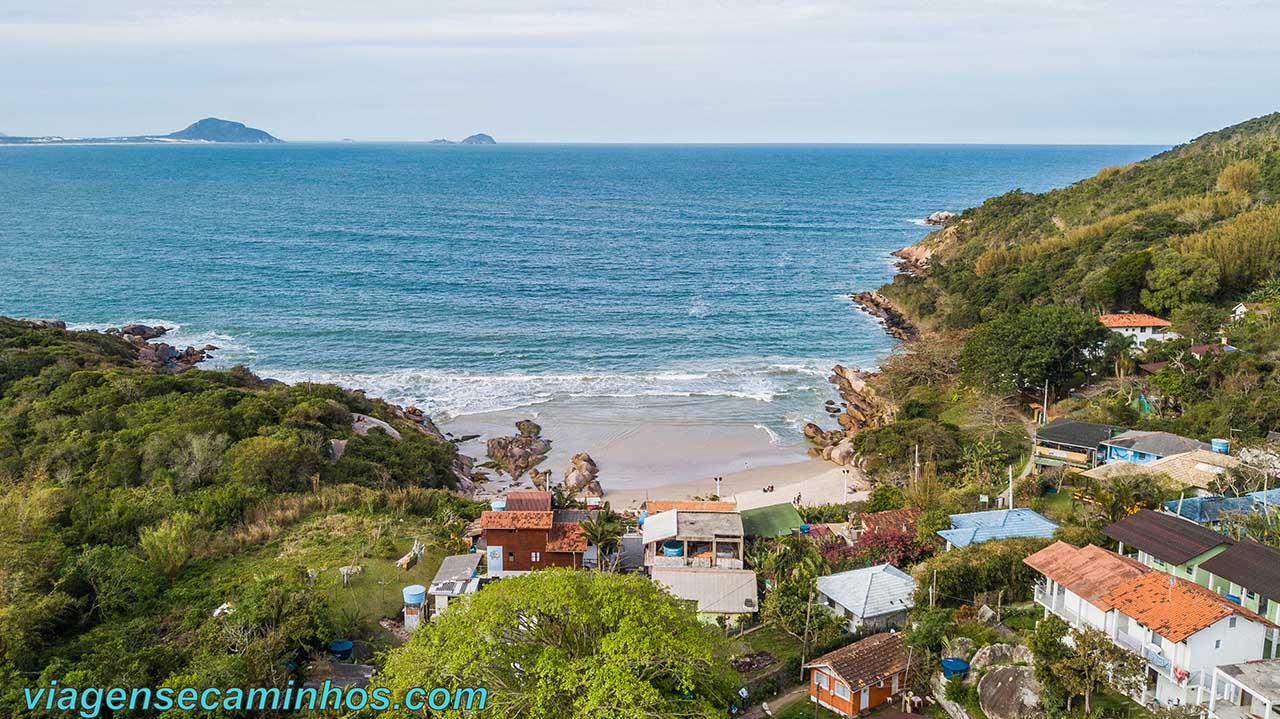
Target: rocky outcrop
<point>47,324</point>
<point>581,477</point>
<point>519,453</point>
<point>146,332</point>
<point>877,305</point>
<point>995,654</point>
<point>913,259</point>
<point>1010,692</point>
<point>960,648</point>
<point>939,218</point>
<point>861,408</point>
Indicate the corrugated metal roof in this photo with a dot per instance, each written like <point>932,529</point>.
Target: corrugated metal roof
<point>1161,444</point>
<point>776,520</point>
<point>1089,572</point>
<point>1166,537</point>
<point>1208,509</point>
<point>719,591</point>
<point>660,526</point>
<point>457,567</point>
<point>871,591</point>
<point>978,527</point>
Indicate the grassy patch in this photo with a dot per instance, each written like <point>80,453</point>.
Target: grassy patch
<point>805,709</point>
<point>772,639</point>
<point>1057,505</point>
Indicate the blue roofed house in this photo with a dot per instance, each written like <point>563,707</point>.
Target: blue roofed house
<point>1140,447</point>
<point>1209,511</point>
<point>978,527</point>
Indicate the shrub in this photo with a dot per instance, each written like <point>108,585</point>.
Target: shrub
<point>1240,176</point>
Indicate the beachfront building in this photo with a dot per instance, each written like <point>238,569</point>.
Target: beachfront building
<point>771,522</point>
<point>1070,444</point>
<point>878,597</point>
<point>1140,447</point>
<point>978,527</point>
<point>1168,543</point>
<point>721,596</point>
<point>518,542</point>
<point>1138,326</point>
<point>654,506</point>
<point>1249,690</point>
<point>863,675</point>
<point>1074,580</point>
<point>456,577</point>
<point>679,538</point>
<point>1196,469</point>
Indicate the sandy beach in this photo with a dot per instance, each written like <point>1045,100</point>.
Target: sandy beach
<point>815,481</point>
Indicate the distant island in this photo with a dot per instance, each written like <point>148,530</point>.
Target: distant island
<point>477,139</point>
<point>210,129</point>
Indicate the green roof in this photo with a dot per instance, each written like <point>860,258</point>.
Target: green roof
<point>774,521</point>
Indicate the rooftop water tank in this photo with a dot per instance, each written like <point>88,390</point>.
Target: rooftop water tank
<point>415,594</point>
<point>673,548</point>
<point>804,529</point>
<point>643,516</point>
<point>1221,446</point>
<point>498,504</point>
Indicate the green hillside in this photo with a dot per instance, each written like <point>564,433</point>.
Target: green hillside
<point>138,501</point>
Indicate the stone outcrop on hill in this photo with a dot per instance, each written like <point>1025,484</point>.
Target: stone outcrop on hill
<point>1010,692</point>
<point>995,654</point>
<point>860,408</point>
<point>877,305</point>
<point>941,217</point>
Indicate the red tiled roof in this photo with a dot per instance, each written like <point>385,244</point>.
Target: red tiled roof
<point>866,661</point>
<point>893,521</point>
<point>1132,319</point>
<point>1172,607</point>
<point>566,537</point>
<point>1089,572</point>
<point>528,501</point>
<point>653,506</point>
<point>516,520</point>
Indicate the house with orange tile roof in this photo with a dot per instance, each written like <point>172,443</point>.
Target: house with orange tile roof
<point>1138,326</point>
<point>1183,631</point>
<point>1073,580</point>
<point>522,541</point>
<point>861,676</point>
<point>654,506</point>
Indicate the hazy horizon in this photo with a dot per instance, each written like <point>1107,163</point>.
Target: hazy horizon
<point>557,71</point>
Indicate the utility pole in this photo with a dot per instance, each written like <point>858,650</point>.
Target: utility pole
<point>1011,486</point>
<point>915,472</point>
<point>1044,410</point>
<point>933,587</point>
<point>804,649</point>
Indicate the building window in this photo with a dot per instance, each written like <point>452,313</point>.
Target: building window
<point>1217,644</point>
<point>1231,623</point>
<point>511,556</point>
<point>842,691</point>
<point>821,679</point>
<point>1191,570</point>
<point>535,556</point>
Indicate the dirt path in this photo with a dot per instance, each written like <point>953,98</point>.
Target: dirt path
<point>777,704</point>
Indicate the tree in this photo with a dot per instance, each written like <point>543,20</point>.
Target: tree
<point>559,644</point>
<point>1096,660</point>
<point>1024,349</point>
<point>883,497</point>
<point>604,533</point>
<point>168,544</point>
<point>1199,322</point>
<point>1117,497</point>
<point>1118,285</point>
<point>1176,279</point>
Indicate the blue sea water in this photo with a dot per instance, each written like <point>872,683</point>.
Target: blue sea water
<point>469,279</point>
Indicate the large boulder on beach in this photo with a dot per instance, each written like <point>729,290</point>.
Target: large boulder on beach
<point>519,453</point>
<point>1010,692</point>
<point>844,453</point>
<point>995,654</point>
<point>581,475</point>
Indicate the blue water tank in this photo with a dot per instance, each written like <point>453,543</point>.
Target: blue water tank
<point>804,529</point>
<point>643,516</point>
<point>415,594</point>
<point>954,666</point>
<point>673,548</point>
<point>340,649</point>
<point>498,504</point>
<point>1234,598</point>
<point>1221,446</point>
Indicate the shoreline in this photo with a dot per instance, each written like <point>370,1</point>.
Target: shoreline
<point>816,481</point>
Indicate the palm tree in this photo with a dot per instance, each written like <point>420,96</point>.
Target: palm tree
<point>604,532</point>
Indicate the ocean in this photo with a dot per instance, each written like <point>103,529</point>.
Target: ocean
<point>700,285</point>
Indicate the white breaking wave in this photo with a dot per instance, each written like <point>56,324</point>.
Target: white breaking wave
<point>447,393</point>
<point>919,221</point>
<point>773,436</point>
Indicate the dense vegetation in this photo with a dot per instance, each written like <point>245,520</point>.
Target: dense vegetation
<point>139,500</point>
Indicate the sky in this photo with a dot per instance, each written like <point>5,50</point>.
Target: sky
<point>1002,71</point>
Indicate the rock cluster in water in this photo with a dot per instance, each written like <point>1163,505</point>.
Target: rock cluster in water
<point>160,355</point>
<point>519,453</point>
<point>877,305</point>
<point>860,408</point>
<point>941,217</point>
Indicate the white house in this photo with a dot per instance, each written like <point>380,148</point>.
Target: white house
<point>1182,630</point>
<point>877,597</point>
<point>1138,327</point>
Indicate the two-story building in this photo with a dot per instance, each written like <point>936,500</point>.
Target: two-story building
<point>1249,573</point>
<point>1071,444</point>
<point>523,541</point>
<point>1073,581</point>
<point>679,538</point>
<point>1168,543</point>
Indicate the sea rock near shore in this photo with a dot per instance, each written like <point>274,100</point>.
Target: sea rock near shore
<point>941,217</point>
<point>861,408</point>
<point>517,454</point>
<point>913,259</point>
<point>877,305</point>
<point>581,476</point>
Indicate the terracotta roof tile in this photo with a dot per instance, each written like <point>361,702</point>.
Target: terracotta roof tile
<point>866,661</point>
<point>892,521</point>
<point>1089,572</point>
<point>528,501</point>
<point>566,537</point>
<point>654,506</point>
<point>516,520</point>
<point>1132,319</point>
<point>1172,607</point>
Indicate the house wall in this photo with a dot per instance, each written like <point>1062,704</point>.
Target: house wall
<point>1189,569</point>
<point>1266,606</point>
<point>518,548</point>
<point>858,698</point>
<point>1071,607</point>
